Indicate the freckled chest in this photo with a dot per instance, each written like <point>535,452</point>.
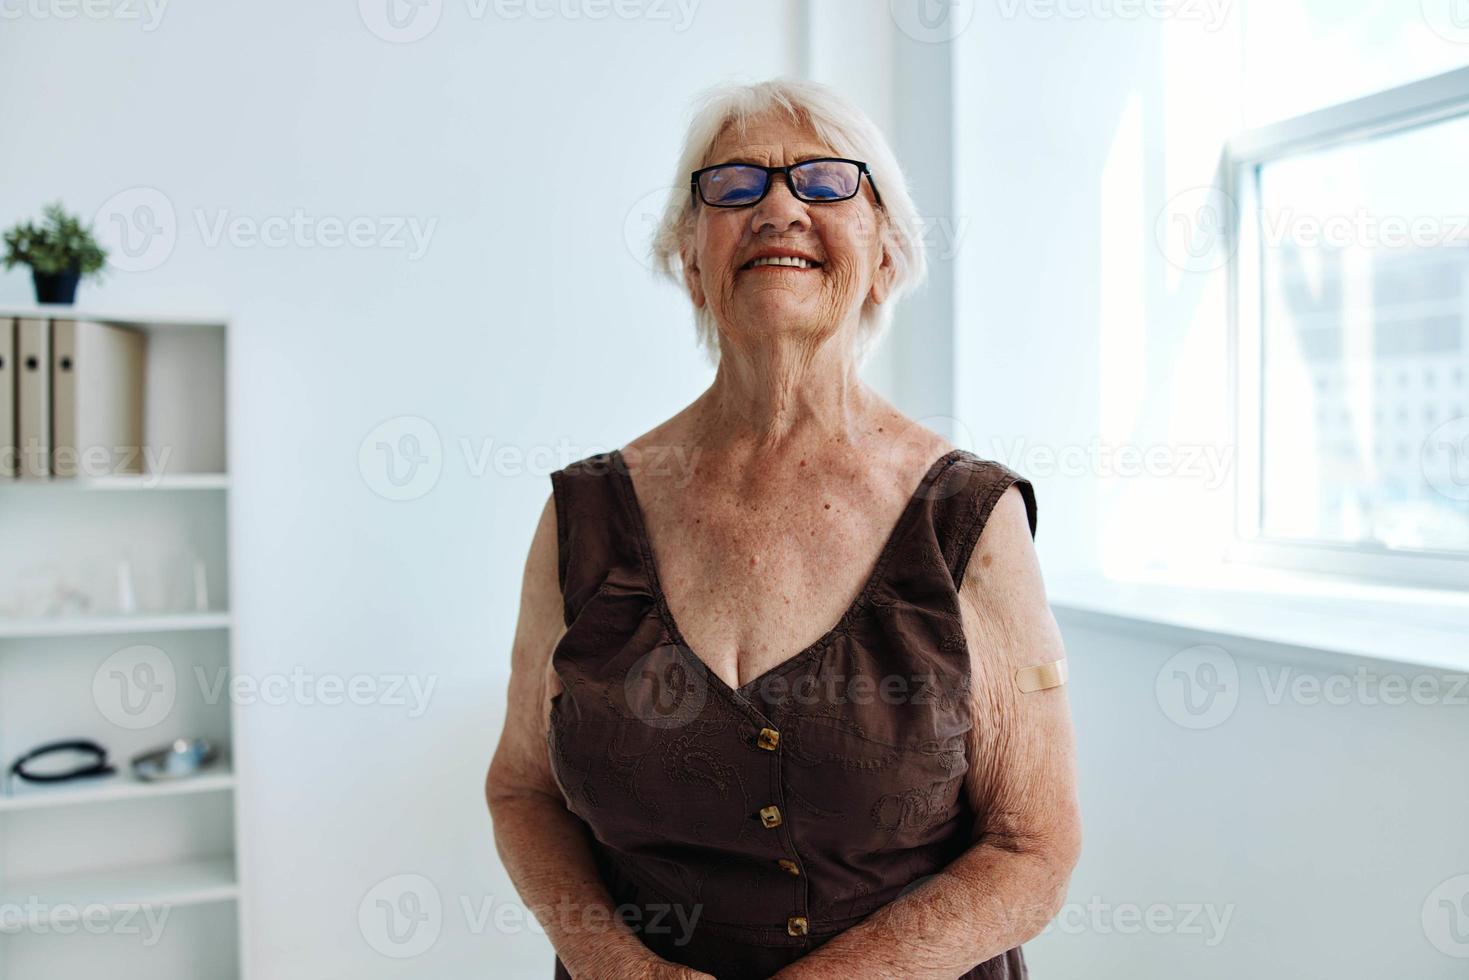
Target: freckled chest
<point>754,579</point>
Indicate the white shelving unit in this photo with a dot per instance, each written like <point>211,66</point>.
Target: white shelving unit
<point>114,876</point>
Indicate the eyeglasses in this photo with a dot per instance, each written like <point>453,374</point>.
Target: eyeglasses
<point>820,181</point>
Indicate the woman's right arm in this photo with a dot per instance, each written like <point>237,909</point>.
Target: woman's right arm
<point>545,847</point>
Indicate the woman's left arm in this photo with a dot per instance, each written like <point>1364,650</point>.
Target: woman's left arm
<point>1021,782</point>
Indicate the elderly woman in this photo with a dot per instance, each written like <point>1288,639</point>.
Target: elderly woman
<point>786,696</point>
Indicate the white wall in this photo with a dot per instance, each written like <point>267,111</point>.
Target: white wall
<point>1301,832</point>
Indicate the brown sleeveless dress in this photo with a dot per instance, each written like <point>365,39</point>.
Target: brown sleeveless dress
<point>738,830</point>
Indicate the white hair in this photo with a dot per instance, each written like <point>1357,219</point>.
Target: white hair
<point>840,124</point>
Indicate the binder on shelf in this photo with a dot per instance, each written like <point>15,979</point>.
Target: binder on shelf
<point>9,461</point>
<point>97,398</point>
<point>33,398</point>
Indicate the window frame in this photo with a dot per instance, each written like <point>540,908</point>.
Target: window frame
<point>1436,99</point>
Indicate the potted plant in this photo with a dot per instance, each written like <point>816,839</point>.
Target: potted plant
<point>60,251</point>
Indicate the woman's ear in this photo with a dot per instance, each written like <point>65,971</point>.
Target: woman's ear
<point>691,279</point>
<point>882,279</point>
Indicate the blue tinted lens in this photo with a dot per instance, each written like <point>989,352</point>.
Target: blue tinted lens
<point>734,184</point>
<point>825,180</point>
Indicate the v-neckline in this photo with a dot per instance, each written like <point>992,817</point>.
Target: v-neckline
<point>660,598</point>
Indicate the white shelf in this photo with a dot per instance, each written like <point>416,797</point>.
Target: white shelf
<point>110,625</point>
<point>63,898</point>
<point>126,481</point>
<point>29,796</point>
<point>138,318</point>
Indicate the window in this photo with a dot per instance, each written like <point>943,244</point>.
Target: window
<point>1351,301</point>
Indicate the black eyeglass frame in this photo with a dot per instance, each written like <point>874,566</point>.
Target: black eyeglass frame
<point>770,172</point>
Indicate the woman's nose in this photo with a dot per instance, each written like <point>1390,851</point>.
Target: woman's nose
<point>779,210</point>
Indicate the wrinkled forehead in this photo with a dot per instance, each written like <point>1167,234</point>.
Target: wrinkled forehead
<point>772,139</point>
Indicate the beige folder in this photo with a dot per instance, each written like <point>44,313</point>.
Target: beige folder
<point>9,461</point>
<point>33,398</point>
<point>97,398</point>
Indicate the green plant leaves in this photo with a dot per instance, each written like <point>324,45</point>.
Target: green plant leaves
<point>60,243</point>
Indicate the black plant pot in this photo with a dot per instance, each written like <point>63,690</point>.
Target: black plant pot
<point>56,287</point>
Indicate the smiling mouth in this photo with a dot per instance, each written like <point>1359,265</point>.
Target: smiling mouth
<point>780,262</point>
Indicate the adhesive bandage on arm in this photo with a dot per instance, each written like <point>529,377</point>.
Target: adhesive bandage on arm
<point>1041,676</point>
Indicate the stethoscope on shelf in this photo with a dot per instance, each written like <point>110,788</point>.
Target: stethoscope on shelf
<point>96,766</point>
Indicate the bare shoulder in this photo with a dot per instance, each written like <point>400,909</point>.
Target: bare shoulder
<point>1003,576</point>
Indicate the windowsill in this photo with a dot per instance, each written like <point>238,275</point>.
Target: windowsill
<point>1289,615</point>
